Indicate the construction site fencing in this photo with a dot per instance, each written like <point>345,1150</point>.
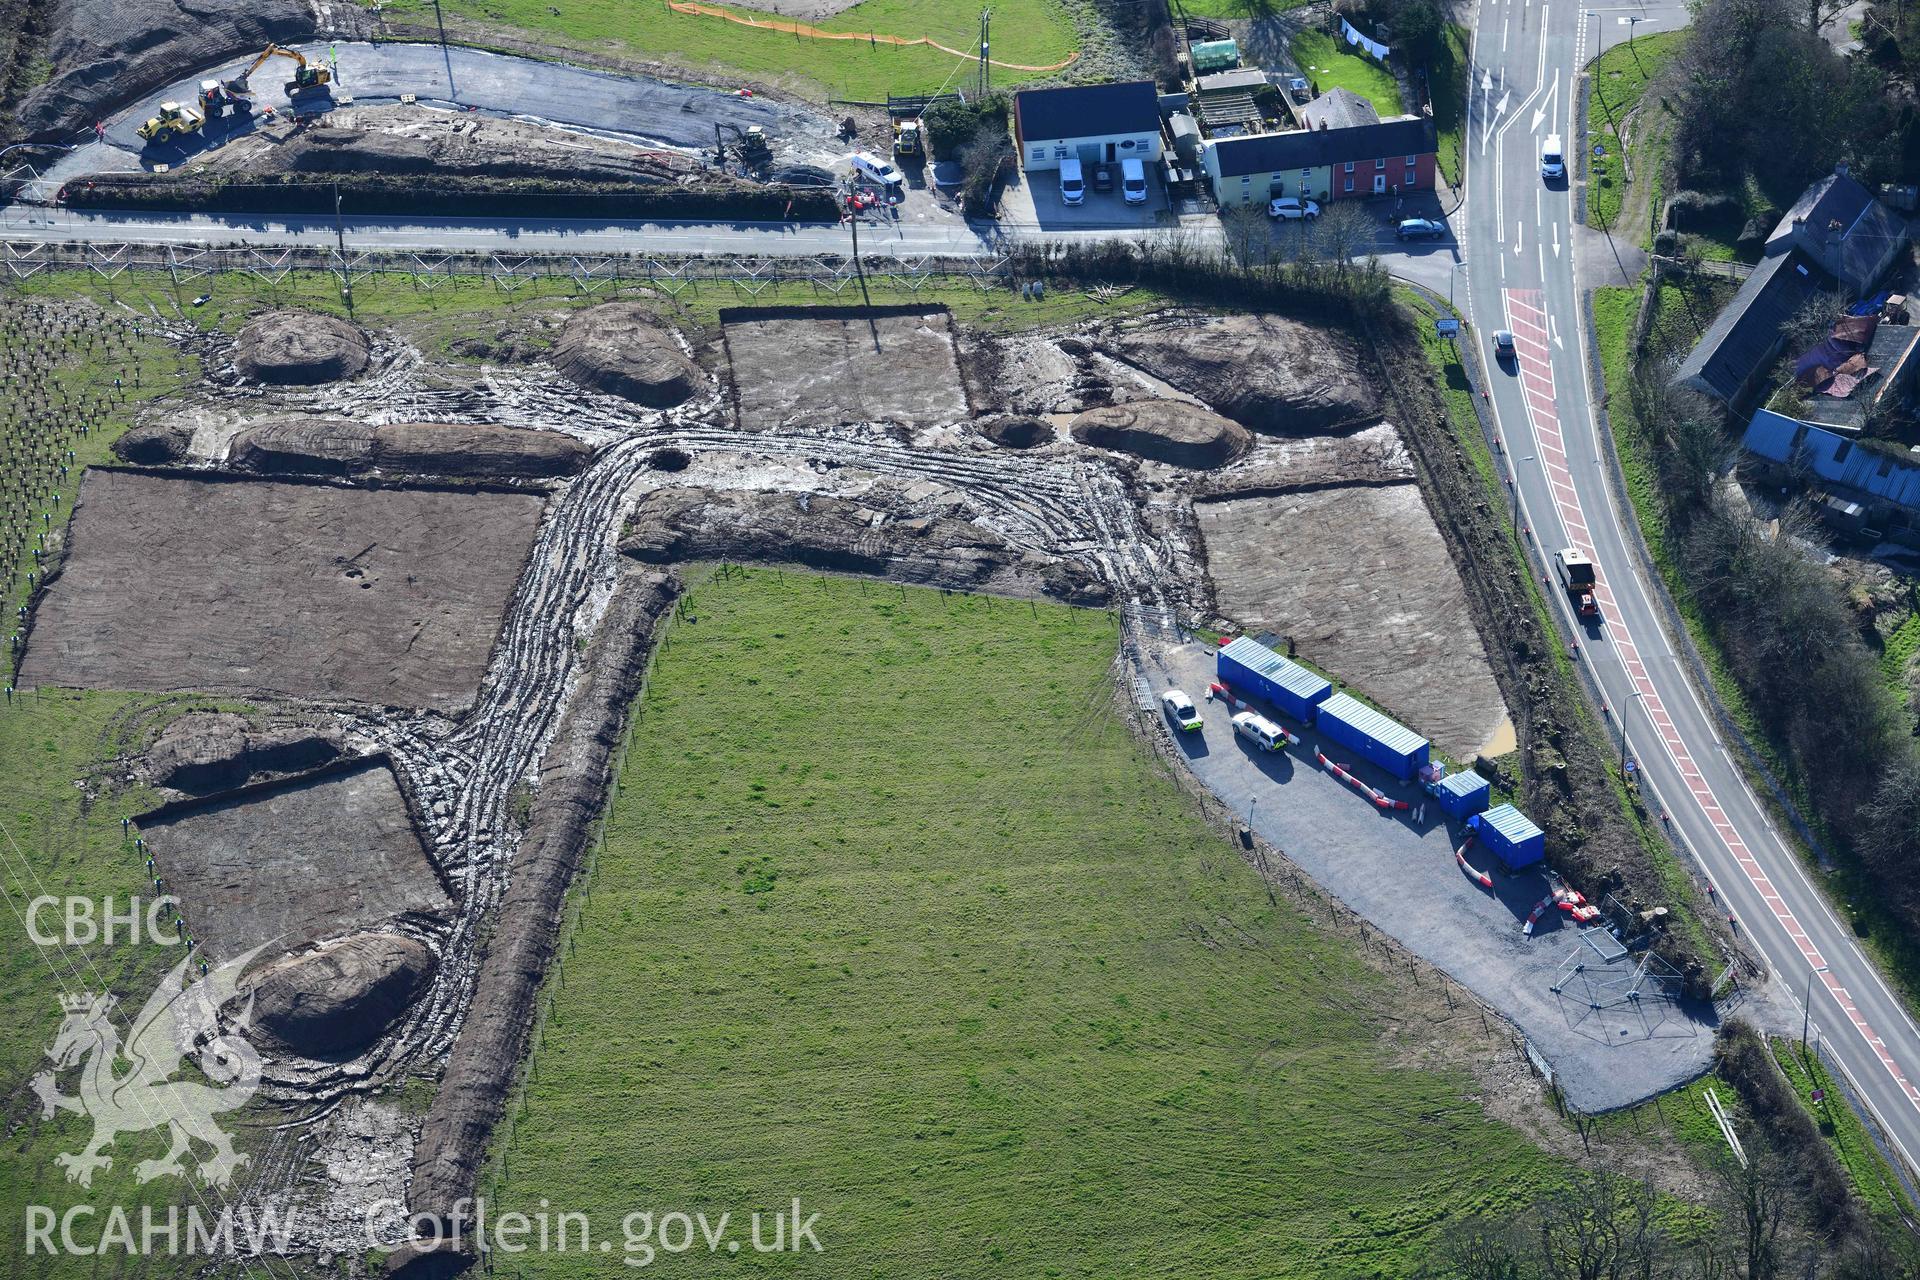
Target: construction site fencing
<point>670,274</point>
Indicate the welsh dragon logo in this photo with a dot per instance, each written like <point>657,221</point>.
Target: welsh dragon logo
<point>177,1020</point>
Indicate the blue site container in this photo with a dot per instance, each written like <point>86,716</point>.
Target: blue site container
<point>1380,741</point>
<point>1251,667</point>
<point>1511,835</point>
<point>1461,795</point>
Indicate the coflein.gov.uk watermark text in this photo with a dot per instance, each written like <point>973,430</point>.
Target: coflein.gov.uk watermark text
<point>474,1227</point>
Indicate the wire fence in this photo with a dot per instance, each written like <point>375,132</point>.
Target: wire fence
<point>588,272</point>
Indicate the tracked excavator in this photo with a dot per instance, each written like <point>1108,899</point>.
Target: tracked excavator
<point>307,77</point>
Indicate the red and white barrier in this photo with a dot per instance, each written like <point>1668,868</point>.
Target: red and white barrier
<point>1474,873</point>
<point>1534,917</point>
<point>1340,772</point>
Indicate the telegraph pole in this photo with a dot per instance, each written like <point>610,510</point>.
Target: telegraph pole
<point>986,76</point>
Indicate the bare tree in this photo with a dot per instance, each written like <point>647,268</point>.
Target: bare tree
<point>1344,231</point>
<point>1755,1200</point>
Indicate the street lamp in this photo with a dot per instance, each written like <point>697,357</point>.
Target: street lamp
<point>1806,1005</point>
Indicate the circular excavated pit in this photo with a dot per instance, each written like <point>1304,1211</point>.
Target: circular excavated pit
<point>1015,431</point>
<point>669,459</point>
<point>620,348</point>
<point>1169,431</point>
<point>299,348</point>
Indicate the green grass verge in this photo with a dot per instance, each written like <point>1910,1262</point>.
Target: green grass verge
<point>1897,655</point>
<point>1326,62</point>
<point>1872,1177</point>
<point>397,300</point>
<point>1618,80</point>
<point>894,915</point>
<point>1447,83</point>
<point>1037,33</point>
<point>1239,8</point>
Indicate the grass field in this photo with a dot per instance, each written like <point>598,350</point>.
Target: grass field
<point>1240,8</point>
<point>1620,77</point>
<point>1037,33</point>
<point>893,915</point>
<point>1328,65</point>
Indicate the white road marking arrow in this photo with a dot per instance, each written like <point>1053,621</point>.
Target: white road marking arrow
<point>1556,239</point>
<point>1545,109</point>
<point>1519,234</point>
<point>1553,327</point>
<point>1499,109</point>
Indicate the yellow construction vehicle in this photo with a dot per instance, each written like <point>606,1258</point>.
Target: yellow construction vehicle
<point>172,121</point>
<point>307,76</point>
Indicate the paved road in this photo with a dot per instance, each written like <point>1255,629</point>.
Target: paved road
<point>1522,275</point>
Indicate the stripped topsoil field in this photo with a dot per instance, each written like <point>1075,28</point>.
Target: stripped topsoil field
<point>819,367</point>
<point>172,582</point>
<point>294,861</point>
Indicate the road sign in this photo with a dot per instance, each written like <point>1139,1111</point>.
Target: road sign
<point>1632,765</point>
<point>1819,1095</point>
<point>1446,326</point>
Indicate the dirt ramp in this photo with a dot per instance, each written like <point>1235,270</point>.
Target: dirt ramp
<point>332,447</point>
<point>300,348</point>
<point>1169,431</point>
<point>620,348</point>
<point>333,1001</point>
<point>1266,372</point>
<point>677,525</point>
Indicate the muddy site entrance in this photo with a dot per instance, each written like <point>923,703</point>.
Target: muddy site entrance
<point>472,640</point>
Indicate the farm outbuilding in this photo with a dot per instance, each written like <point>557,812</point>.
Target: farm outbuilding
<point>1251,667</point>
<point>1461,795</point>
<point>1379,740</point>
<point>1511,835</point>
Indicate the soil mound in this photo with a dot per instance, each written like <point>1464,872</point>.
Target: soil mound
<point>1169,431</point>
<point>335,1000</point>
<point>1012,431</point>
<point>213,751</point>
<point>400,141</point>
<point>454,449</point>
<point>303,447</point>
<point>104,52</point>
<point>620,348</point>
<point>154,445</point>
<point>299,348</point>
<point>1265,372</point>
<point>332,447</point>
<point>674,525</point>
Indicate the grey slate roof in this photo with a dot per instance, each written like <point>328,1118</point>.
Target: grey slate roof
<point>1746,333</point>
<point>1339,109</point>
<point>1311,148</point>
<point>1088,111</point>
<point>1838,223</point>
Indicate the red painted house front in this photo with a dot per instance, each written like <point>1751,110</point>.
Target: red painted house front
<point>1382,176</point>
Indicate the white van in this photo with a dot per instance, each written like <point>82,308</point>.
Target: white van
<point>1256,728</point>
<point>874,171</point>
<point>1073,183</point>
<point>1133,182</point>
<point>1553,158</point>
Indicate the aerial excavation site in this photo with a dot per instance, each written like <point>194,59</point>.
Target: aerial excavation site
<point>775,640</point>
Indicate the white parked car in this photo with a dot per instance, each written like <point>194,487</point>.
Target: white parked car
<point>874,171</point>
<point>1261,731</point>
<point>1181,711</point>
<point>1292,208</point>
<point>1133,182</point>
